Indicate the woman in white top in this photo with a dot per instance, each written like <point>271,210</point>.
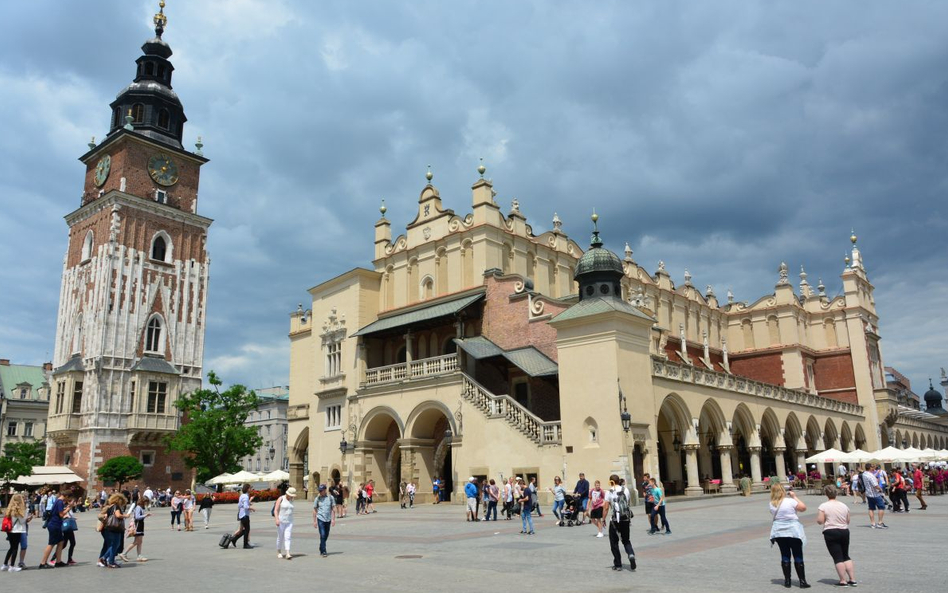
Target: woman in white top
<point>188,510</point>
<point>834,517</point>
<point>787,531</point>
<point>283,517</point>
<point>16,512</point>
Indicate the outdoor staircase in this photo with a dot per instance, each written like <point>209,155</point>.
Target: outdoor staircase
<point>518,417</point>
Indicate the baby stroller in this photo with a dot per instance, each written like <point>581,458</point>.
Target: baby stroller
<point>570,511</point>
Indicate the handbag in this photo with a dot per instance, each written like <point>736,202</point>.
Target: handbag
<point>7,526</point>
<point>113,522</point>
<point>69,524</point>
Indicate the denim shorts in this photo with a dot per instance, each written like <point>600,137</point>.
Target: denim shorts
<point>876,503</point>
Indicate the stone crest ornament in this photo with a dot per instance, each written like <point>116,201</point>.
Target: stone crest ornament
<point>515,206</point>
<point>687,277</point>
<point>426,232</point>
<point>661,265</point>
<point>557,223</point>
<point>730,296</point>
<point>628,252</point>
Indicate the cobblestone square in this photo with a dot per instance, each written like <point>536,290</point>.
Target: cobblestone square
<point>718,545</point>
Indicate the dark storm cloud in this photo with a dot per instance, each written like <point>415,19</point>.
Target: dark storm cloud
<point>721,137</point>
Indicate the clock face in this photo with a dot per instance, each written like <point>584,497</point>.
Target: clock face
<point>162,169</point>
<point>102,170</point>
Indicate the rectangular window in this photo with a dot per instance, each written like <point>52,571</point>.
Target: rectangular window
<point>77,398</point>
<point>157,393</point>
<point>333,416</point>
<point>28,429</point>
<point>148,458</point>
<point>11,429</point>
<point>131,397</point>
<point>24,393</point>
<point>333,359</point>
<point>60,396</point>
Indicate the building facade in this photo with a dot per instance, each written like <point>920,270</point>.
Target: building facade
<point>473,347</point>
<point>130,327</point>
<point>270,421</point>
<point>24,402</point>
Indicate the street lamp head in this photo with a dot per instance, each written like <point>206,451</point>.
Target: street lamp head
<point>626,421</point>
<point>448,435</point>
<point>343,445</point>
<point>272,452</point>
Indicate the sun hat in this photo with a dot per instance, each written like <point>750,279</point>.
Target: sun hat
<point>291,491</point>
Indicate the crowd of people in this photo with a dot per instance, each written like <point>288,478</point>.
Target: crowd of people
<point>122,514</point>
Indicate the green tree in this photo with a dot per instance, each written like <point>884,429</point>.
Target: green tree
<point>19,459</point>
<point>120,470</point>
<point>214,437</point>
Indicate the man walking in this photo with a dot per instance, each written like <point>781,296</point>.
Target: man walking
<point>582,491</point>
<point>618,509</point>
<point>410,489</point>
<point>470,491</point>
<point>535,500</point>
<point>324,517</point>
<point>919,480</point>
<point>508,498</point>
<point>873,497</point>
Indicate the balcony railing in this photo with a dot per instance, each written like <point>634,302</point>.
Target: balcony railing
<point>416,369</point>
<point>143,421</point>
<point>504,406</point>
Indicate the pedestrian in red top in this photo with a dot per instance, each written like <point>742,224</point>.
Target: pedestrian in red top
<point>369,491</point>
<point>919,486</point>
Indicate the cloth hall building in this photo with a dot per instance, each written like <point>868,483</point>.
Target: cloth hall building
<point>473,347</point>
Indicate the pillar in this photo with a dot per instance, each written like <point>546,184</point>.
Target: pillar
<point>801,462</point>
<point>691,466</point>
<point>296,475</point>
<point>757,482</point>
<point>727,474</point>
<point>781,463</point>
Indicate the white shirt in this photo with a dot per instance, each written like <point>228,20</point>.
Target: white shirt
<point>149,494</point>
<point>612,494</point>
<point>286,510</point>
<point>410,488</point>
<point>787,511</point>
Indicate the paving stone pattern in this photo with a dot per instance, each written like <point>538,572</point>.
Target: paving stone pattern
<point>718,544</point>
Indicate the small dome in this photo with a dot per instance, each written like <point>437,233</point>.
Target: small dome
<point>932,397</point>
<point>598,259</point>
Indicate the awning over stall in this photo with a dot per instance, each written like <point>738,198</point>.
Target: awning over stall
<point>419,315</point>
<point>528,359</point>
<point>51,475</point>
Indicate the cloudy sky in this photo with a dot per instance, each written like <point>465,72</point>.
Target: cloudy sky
<point>722,137</point>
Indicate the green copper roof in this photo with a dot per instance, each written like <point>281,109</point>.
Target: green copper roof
<point>528,359</point>
<point>597,305</point>
<point>598,259</point>
<point>409,318</point>
<point>18,374</point>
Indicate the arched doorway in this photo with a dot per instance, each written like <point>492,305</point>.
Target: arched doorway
<point>638,469</point>
<point>770,440</point>
<point>299,460</point>
<point>711,430</point>
<point>381,433</point>
<point>672,432</point>
<point>429,425</point>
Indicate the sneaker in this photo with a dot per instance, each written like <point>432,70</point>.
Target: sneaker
<point>599,534</point>
<point>873,526</point>
<point>288,557</point>
<point>4,568</point>
<point>616,568</point>
<point>71,562</point>
<point>853,584</point>
<point>14,569</point>
<point>21,565</point>
<point>532,533</point>
<point>883,526</point>
<point>632,562</point>
<point>60,564</point>
<point>325,555</point>
<point>100,564</point>
<point>44,566</point>
<point>668,532</point>
<point>280,556</point>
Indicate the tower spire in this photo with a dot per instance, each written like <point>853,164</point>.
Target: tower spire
<point>596,240</point>
<point>160,19</point>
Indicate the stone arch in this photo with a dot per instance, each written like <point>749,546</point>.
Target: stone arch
<point>712,421</point>
<point>915,440</point>
<point>712,433</point>
<point>845,437</point>
<point>161,247</point>
<point>389,287</point>
<point>747,332</point>
<point>898,439</point>
<point>830,435</point>
<point>814,435</point>
<point>374,425</point>
<point>744,436</point>
<point>930,442</point>
<point>771,438</point>
<point>426,288</point>
<point>380,436</point>
<point>299,456</point>
<point>859,437</point>
<point>422,419</point>
<point>673,430</point>
<point>591,429</point>
<point>793,432</point>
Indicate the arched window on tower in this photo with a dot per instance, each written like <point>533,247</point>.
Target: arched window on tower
<point>161,71</point>
<point>138,113</point>
<point>117,118</point>
<point>149,68</point>
<point>153,335</point>
<point>163,119</point>
<point>87,244</point>
<point>161,247</point>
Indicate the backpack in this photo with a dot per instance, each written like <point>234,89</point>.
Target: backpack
<point>623,511</point>
<point>274,507</point>
<point>7,526</point>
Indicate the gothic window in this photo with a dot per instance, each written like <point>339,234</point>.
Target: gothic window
<point>592,430</point>
<point>87,246</point>
<point>159,248</point>
<point>427,288</point>
<point>77,398</point>
<point>131,397</point>
<point>157,393</point>
<point>153,341</point>
<point>24,393</point>
<point>138,113</point>
<point>333,416</point>
<point>163,119</point>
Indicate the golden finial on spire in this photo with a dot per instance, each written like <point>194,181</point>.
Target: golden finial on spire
<point>481,168</point>
<point>383,209</point>
<point>160,19</point>
<point>429,175</point>
<point>852,236</point>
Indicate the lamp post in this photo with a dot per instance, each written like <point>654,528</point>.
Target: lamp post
<point>272,452</point>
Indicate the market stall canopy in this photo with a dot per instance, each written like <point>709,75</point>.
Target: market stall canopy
<point>241,477</point>
<point>51,475</point>
<point>275,476</point>
<point>857,456</point>
<point>221,479</point>
<point>889,454</point>
<point>828,456</point>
